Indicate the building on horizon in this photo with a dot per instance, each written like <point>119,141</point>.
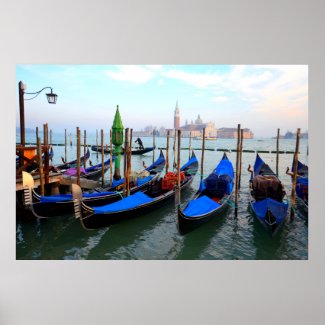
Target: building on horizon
<point>176,117</point>
<point>231,133</point>
<point>196,128</point>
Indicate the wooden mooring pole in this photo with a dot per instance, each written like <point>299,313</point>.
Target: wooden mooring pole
<point>111,158</point>
<point>167,152</point>
<point>85,147</point>
<point>237,170</point>
<point>277,153</point>
<point>202,156</point>
<point>154,145</point>
<point>65,145</point>
<point>78,156</point>
<point>97,143</point>
<point>190,146</point>
<point>126,145</point>
<point>40,164</point>
<point>129,164</point>
<point>174,148</point>
<point>240,155</point>
<point>102,147</point>
<point>70,139</point>
<point>46,153</point>
<point>294,178</point>
<point>178,196</point>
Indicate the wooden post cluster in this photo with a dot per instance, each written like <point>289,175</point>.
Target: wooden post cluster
<point>102,147</point>
<point>78,156</point>
<point>294,178</point>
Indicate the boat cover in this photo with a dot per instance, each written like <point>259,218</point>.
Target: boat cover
<point>73,171</point>
<point>302,188</point>
<point>159,161</point>
<point>68,197</point>
<point>92,168</point>
<point>144,180</point>
<point>202,205</point>
<point>189,163</point>
<point>117,182</point>
<point>278,209</point>
<point>127,203</point>
<point>258,164</point>
<point>225,168</point>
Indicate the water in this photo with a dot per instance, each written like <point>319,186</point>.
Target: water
<point>155,235</point>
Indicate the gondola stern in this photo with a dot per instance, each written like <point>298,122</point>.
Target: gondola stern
<point>28,185</point>
<point>77,198</point>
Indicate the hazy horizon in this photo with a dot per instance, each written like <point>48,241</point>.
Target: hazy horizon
<point>259,97</point>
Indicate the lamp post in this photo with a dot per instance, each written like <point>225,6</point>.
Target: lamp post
<point>117,139</point>
<point>51,98</point>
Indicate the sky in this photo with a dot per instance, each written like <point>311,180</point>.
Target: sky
<point>259,97</point>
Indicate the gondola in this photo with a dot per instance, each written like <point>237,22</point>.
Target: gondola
<point>134,205</point>
<point>301,185</point>
<point>34,165</point>
<point>92,172</point>
<point>268,199</point>
<point>73,163</point>
<point>136,151</point>
<point>55,205</point>
<point>211,199</point>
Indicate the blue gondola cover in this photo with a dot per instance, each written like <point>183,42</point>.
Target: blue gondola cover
<point>190,162</point>
<point>68,197</point>
<point>117,182</point>
<point>127,203</point>
<point>278,209</point>
<point>159,161</point>
<point>144,180</point>
<point>200,206</point>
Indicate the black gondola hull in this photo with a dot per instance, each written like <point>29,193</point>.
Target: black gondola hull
<point>133,152</point>
<point>188,224</point>
<point>54,209</point>
<point>94,221</point>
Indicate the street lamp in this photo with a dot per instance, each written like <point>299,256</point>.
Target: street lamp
<point>51,98</point>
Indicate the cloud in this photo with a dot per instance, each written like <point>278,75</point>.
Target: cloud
<point>199,80</point>
<point>132,73</point>
<point>220,99</point>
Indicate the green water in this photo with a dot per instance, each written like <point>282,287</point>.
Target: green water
<point>155,236</point>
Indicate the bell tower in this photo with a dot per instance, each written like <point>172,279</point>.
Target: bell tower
<point>176,117</point>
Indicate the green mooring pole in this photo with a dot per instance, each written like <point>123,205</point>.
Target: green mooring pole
<point>117,139</point>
